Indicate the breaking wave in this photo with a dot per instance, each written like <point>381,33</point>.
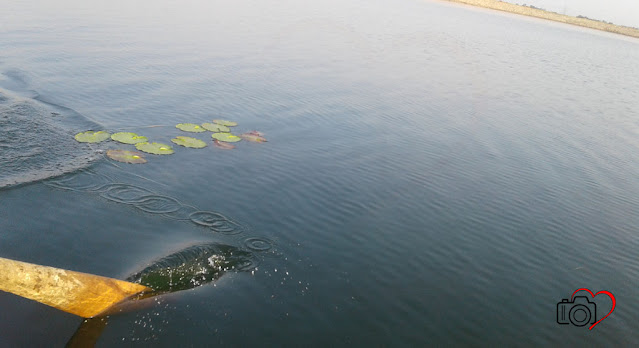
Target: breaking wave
<point>36,140</point>
<point>194,266</point>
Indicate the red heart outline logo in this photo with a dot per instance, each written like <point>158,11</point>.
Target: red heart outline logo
<point>612,297</point>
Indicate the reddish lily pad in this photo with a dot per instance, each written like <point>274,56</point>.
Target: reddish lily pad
<point>223,145</point>
<point>252,137</point>
<point>126,156</point>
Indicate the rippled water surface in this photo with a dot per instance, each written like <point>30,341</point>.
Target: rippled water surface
<point>434,174</point>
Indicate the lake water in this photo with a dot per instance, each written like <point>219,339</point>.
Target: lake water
<point>435,174</point>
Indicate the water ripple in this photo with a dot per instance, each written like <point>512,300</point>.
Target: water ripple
<point>147,201</point>
<point>124,193</point>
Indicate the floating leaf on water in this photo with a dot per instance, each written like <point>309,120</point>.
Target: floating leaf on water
<point>189,142</point>
<point>225,123</point>
<point>214,127</point>
<point>252,137</point>
<point>129,138</point>
<point>126,156</point>
<point>228,137</point>
<point>92,136</point>
<point>190,127</point>
<point>155,148</point>
<point>223,145</point>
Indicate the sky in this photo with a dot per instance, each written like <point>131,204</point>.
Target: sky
<point>622,12</point>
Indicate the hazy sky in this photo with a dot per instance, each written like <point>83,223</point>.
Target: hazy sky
<point>623,12</point>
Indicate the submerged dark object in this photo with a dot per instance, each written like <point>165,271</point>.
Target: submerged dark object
<point>194,266</point>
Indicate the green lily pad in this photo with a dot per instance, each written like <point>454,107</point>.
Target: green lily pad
<point>155,148</point>
<point>228,137</point>
<point>189,142</point>
<point>129,138</point>
<point>214,127</point>
<point>190,127</point>
<point>92,136</point>
<point>225,123</point>
<point>126,156</point>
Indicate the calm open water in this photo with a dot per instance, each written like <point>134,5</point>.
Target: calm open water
<point>435,174</point>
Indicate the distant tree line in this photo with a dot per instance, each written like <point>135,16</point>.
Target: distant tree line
<point>536,8</point>
<point>579,16</point>
<point>531,6</point>
<point>592,19</point>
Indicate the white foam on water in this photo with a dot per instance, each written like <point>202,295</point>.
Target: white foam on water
<point>36,140</point>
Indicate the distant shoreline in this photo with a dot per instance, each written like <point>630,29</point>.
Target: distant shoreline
<point>539,13</point>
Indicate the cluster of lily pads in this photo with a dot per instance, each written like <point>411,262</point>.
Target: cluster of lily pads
<point>222,138</point>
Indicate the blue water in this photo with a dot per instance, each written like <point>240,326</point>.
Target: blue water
<point>434,173</point>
